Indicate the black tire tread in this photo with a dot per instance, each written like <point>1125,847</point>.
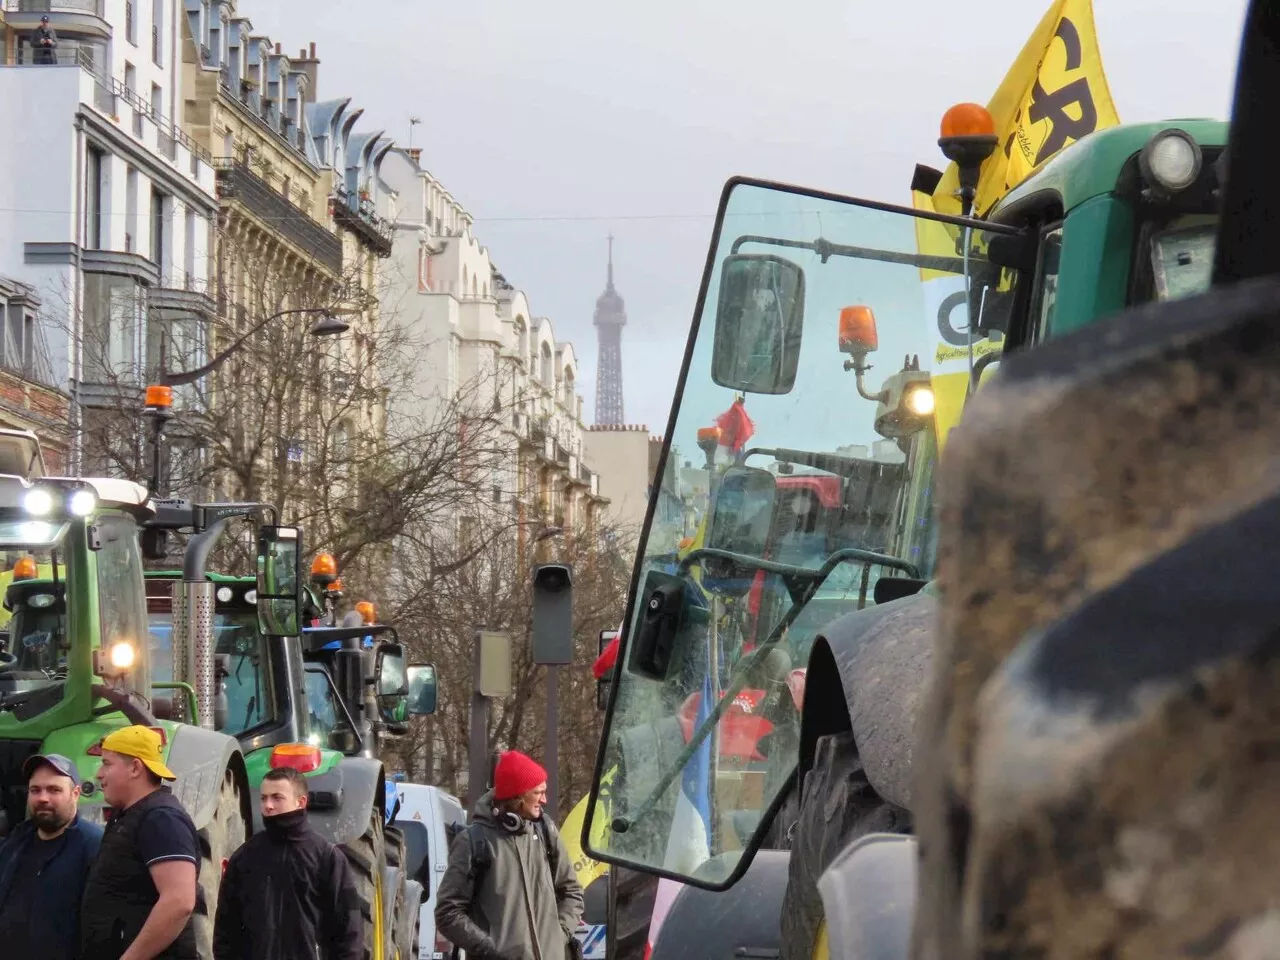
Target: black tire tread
<point>837,804</point>
<point>219,838</point>
<point>366,854</point>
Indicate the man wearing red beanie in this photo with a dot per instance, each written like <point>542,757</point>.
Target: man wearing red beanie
<point>510,892</point>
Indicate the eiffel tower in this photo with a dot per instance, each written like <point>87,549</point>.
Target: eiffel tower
<point>610,318</point>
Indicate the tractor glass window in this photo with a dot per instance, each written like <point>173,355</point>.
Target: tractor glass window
<point>325,713</point>
<point>34,640</point>
<point>1182,257</point>
<point>248,679</point>
<point>1046,289</point>
<point>121,598</point>
<point>832,352</point>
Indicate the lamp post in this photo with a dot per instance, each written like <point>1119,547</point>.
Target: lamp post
<point>159,398</point>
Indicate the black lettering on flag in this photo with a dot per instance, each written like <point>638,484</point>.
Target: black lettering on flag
<point>948,330</point>
<point>1053,106</point>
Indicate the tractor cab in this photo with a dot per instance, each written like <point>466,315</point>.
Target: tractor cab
<point>835,343</point>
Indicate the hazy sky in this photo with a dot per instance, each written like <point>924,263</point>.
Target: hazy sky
<point>557,122</point>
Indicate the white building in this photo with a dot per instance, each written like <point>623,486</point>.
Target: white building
<point>106,206</point>
<point>476,329</point>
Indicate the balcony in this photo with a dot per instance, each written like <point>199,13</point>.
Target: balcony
<point>358,217</point>
<point>238,183</point>
<point>94,7</point>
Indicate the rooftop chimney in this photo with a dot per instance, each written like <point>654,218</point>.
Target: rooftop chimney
<point>415,154</point>
<point>309,65</point>
<point>278,50</point>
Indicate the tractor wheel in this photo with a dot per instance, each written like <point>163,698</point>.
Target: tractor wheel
<point>219,838</point>
<point>837,805</point>
<point>367,857</point>
<point>407,896</point>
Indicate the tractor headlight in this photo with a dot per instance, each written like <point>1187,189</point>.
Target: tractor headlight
<point>82,503</point>
<point>1171,160</point>
<point>38,502</point>
<point>122,655</point>
<point>919,399</point>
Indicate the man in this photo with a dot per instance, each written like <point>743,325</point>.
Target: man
<point>45,42</point>
<point>44,862</point>
<point>509,892</point>
<point>142,888</point>
<point>287,894</point>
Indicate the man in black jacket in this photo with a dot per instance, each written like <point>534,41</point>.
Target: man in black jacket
<point>287,892</point>
<point>45,43</point>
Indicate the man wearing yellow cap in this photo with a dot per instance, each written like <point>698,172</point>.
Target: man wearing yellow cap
<point>142,889</point>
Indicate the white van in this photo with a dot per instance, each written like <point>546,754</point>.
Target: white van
<point>430,819</point>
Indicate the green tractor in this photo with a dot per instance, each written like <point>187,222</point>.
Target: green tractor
<point>74,666</point>
<point>712,761</point>
<point>305,700</point>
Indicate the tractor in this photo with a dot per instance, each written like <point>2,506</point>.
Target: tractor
<point>73,666</point>
<point>801,288</point>
<point>305,701</point>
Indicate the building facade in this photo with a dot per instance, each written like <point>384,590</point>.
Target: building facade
<point>107,207</point>
<point>478,338</point>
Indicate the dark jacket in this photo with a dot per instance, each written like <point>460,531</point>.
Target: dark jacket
<point>54,927</point>
<point>43,53</point>
<point>286,893</point>
<point>120,894</point>
<point>486,897</point>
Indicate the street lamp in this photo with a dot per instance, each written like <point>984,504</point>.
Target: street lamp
<point>159,397</point>
<point>327,326</point>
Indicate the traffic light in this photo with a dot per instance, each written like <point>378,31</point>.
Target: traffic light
<point>552,613</point>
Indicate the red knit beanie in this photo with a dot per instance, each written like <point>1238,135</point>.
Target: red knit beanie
<point>515,775</point>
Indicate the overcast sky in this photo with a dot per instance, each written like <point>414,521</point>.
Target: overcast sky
<point>559,121</point>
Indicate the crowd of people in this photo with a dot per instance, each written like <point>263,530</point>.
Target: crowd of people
<point>73,890</point>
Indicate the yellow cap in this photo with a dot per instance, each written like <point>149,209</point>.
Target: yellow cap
<point>142,743</point>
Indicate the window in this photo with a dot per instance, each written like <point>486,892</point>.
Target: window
<point>417,858</point>
<point>157,32</point>
<point>121,602</point>
<point>95,190</point>
<point>130,209</point>
<point>17,350</point>
<point>190,251</point>
<point>325,712</point>
<point>112,317</point>
<point>1046,288</point>
<point>157,102</point>
<point>130,23</point>
<point>548,371</point>
<point>159,213</point>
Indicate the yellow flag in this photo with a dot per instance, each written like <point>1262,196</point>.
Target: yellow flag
<point>584,867</point>
<point>1054,94</point>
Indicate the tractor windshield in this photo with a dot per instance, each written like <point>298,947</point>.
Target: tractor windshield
<point>826,351</point>
<point>34,641</point>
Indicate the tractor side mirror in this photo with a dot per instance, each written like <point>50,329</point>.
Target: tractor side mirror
<point>279,594</point>
<point>759,321</point>
<point>742,512</point>
<point>392,683</point>
<point>422,689</point>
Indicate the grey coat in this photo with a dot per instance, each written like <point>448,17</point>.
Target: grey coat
<point>486,910</point>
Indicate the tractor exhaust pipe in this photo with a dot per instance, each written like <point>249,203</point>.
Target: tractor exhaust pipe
<point>194,641</point>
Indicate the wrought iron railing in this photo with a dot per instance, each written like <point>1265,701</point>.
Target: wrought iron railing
<point>94,7</point>
<point>236,181</point>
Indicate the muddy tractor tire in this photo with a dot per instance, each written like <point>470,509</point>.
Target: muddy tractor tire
<point>367,857</point>
<point>837,805</point>
<point>219,838</point>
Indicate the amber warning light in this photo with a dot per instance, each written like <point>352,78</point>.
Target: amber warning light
<point>324,569</point>
<point>858,330</point>
<point>159,397</point>
<point>967,120</point>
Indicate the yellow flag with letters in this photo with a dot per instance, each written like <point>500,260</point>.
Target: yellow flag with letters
<point>1054,94</point>
<point>585,868</point>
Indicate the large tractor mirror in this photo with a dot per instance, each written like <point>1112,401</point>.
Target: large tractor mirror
<point>279,591</point>
<point>742,513</point>
<point>759,320</point>
<point>392,683</point>
<point>422,689</point>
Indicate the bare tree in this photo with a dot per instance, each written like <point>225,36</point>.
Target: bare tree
<point>493,591</point>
